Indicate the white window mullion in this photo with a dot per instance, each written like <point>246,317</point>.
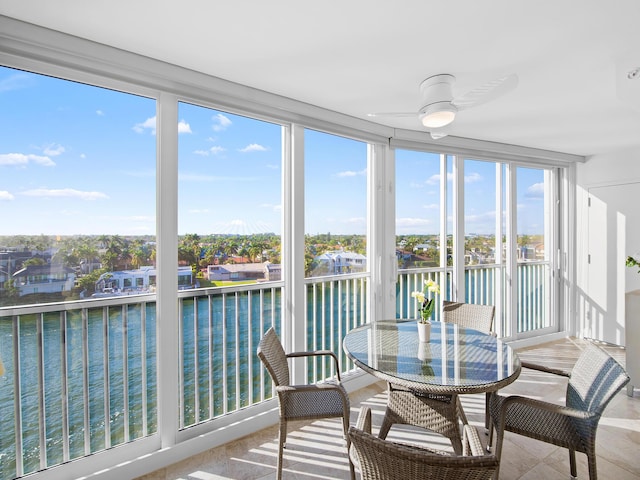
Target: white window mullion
<point>167,261</point>
<point>499,283</point>
<point>381,232</point>
<point>443,223</point>
<point>458,293</point>
<point>511,271</point>
<point>294,328</point>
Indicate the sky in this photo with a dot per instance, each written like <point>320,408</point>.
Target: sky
<point>78,159</point>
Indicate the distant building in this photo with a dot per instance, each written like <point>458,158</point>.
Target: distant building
<point>339,262</point>
<point>246,271</point>
<point>142,280</point>
<point>526,253</point>
<point>44,279</point>
<point>11,260</point>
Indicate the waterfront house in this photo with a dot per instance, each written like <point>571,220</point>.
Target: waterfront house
<point>44,279</point>
<point>244,271</point>
<point>125,386</point>
<point>339,262</point>
<point>141,280</point>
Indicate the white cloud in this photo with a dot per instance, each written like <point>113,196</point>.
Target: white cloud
<point>351,173</point>
<point>275,208</point>
<point>220,122</point>
<point>212,151</point>
<point>433,179</point>
<point>4,195</point>
<point>432,206</point>
<point>149,123</point>
<point>198,177</point>
<point>100,113</point>
<point>473,178</point>
<point>83,156</point>
<point>64,193</point>
<point>16,82</point>
<point>480,222</point>
<point>21,159</point>
<point>535,191</point>
<point>253,147</point>
<point>53,150</point>
<point>412,222</point>
<point>184,127</point>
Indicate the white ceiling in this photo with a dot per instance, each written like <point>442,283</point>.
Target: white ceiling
<point>362,56</point>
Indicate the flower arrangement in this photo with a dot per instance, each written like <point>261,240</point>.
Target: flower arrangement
<point>426,304</point>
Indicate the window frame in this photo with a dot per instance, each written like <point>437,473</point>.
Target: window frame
<point>40,50</point>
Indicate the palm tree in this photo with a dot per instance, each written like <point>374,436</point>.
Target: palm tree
<point>114,248</point>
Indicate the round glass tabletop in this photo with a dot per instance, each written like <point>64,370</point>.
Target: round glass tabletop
<point>454,360</point>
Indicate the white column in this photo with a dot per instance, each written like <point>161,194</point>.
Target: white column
<point>167,267</point>
<point>458,293</point>
<point>381,233</point>
<point>294,328</point>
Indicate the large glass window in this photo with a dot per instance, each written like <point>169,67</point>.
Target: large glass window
<point>335,205</point>
<point>336,262</point>
<point>479,212</point>
<point>419,226</point>
<point>418,209</point>
<point>229,254</point>
<point>230,193</point>
<point>77,209</point>
<point>534,269</point>
<point>422,201</point>
<point>77,186</point>
<point>480,230</point>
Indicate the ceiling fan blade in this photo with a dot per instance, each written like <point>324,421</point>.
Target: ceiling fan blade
<point>393,114</point>
<point>486,92</point>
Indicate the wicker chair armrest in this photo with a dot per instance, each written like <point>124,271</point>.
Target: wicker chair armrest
<point>318,353</point>
<point>364,420</point>
<point>550,407</point>
<point>542,368</point>
<point>307,388</point>
<point>471,444</point>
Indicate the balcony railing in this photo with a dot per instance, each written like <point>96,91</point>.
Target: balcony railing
<point>81,376</point>
<point>482,283</point>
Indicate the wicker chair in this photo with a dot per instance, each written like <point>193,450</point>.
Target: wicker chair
<point>379,459</point>
<point>469,315</point>
<point>302,402</point>
<point>593,382</point>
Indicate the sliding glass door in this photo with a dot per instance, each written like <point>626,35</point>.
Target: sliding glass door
<point>484,230</point>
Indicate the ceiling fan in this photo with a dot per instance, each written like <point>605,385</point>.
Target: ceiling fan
<point>439,106</point>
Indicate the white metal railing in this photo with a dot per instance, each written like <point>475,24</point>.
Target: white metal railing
<point>482,282</point>
<point>335,305</point>
<point>81,376</point>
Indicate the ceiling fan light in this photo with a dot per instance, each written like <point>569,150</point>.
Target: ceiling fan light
<point>438,115</point>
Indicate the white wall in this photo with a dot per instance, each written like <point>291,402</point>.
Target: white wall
<point>607,232</point>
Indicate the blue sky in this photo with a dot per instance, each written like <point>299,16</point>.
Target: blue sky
<point>76,159</point>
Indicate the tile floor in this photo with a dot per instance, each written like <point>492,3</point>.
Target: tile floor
<point>315,450</point>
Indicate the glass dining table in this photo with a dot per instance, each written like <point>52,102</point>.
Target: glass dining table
<point>425,378</point>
